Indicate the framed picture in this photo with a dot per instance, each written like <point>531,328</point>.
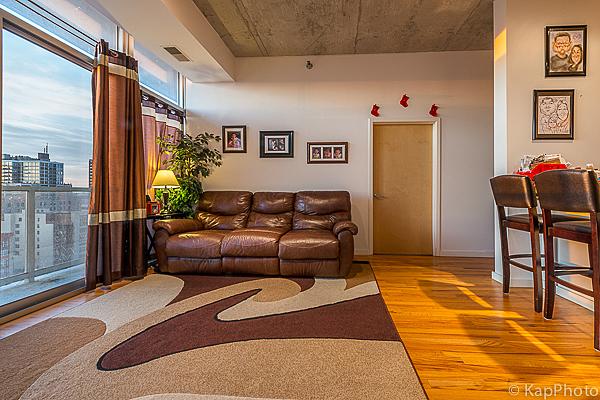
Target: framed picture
<point>327,153</point>
<point>234,139</point>
<point>553,114</point>
<point>566,50</point>
<point>152,208</point>
<point>276,144</point>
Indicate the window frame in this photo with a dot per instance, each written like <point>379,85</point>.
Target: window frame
<point>52,44</point>
<point>75,31</point>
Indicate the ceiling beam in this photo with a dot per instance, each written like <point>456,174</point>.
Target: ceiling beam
<point>158,23</point>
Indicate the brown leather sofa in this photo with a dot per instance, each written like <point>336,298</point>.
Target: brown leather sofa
<point>265,233</point>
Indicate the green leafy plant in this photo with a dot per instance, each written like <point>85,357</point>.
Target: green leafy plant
<point>190,159</point>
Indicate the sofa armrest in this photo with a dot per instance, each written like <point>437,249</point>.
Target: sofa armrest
<point>345,226</point>
<point>175,226</point>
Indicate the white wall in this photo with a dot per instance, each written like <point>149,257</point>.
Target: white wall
<point>524,71</point>
<point>332,102</point>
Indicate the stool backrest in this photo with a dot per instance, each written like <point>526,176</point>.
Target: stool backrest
<point>513,191</point>
<point>572,190</point>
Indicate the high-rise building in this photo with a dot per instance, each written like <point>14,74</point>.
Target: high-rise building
<point>26,170</point>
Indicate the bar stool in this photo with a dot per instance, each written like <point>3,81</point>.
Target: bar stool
<point>571,191</point>
<point>517,191</point>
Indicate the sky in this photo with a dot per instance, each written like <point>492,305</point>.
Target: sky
<point>46,99</point>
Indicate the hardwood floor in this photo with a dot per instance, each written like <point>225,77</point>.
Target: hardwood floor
<point>466,339</point>
<point>469,341</point>
<point>28,320</point>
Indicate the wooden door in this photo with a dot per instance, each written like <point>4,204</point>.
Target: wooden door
<point>402,189</point>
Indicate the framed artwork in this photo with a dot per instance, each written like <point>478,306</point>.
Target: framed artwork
<point>327,153</point>
<point>553,114</point>
<point>276,144</point>
<point>234,138</point>
<point>152,208</point>
<point>566,50</point>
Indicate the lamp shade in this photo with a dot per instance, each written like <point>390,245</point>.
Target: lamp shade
<point>165,179</point>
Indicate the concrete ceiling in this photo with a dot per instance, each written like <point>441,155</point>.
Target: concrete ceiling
<point>253,28</point>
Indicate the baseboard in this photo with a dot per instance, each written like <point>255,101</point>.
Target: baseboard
<point>467,253</point>
<point>575,297</point>
<point>444,253</point>
<point>521,282</point>
<point>564,292</point>
<point>362,252</point>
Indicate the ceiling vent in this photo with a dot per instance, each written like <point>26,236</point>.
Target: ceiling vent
<point>175,52</point>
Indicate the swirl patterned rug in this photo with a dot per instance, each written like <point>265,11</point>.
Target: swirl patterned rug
<point>216,337</point>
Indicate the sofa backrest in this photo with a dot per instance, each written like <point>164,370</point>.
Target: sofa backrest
<point>224,209</point>
<point>320,209</point>
<point>271,209</point>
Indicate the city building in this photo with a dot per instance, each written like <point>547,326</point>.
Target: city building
<point>26,170</point>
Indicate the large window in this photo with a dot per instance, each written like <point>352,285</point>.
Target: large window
<point>157,75</point>
<point>73,21</point>
<point>46,140</point>
<point>46,148</point>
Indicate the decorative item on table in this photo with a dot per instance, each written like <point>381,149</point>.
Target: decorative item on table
<point>327,153</point>
<point>191,158</point>
<point>553,114</point>
<point>234,138</point>
<point>532,165</point>
<point>276,144</point>
<point>152,208</point>
<point>566,50</point>
<point>165,179</point>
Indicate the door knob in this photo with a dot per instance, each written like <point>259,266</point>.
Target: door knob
<point>378,196</point>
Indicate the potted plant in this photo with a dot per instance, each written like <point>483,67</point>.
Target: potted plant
<point>191,159</point>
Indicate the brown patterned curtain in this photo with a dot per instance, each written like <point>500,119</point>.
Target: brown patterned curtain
<point>117,211</point>
<point>159,121</point>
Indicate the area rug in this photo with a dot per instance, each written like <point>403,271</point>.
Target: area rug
<point>216,337</point>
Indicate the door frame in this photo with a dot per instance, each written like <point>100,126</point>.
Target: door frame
<point>436,201</point>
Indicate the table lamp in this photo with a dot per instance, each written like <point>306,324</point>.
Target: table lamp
<point>165,179</point>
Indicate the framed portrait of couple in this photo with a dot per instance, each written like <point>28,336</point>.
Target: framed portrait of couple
<point>327,152</point>
<point>566,50</point>
<point>234,138</point>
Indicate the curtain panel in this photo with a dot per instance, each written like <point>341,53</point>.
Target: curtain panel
<point>159,121</point>
<point>117,211</point>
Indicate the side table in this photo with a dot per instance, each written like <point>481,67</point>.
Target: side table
<point>153,262</point>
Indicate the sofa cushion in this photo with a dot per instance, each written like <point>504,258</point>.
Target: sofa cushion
<point>224,209</point>
<point>320,210</point>
<point>271,209</point>
<point>323,202</point>
<point>252,242</point>
<point>199,244</point>
<point>258,220</point>
<point>325,222</point>
<point>273,202</point>
<point>222,222</point>
<point>225,202</point>
<point>308,244</point>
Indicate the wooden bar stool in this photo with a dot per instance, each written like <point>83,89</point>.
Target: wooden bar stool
<point>571,191</point>
<point>516,191</point>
